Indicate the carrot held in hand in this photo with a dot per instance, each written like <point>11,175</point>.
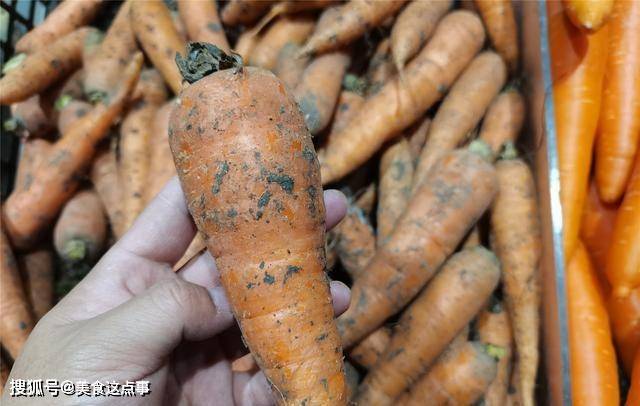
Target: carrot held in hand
<point>500,22</point>
<point>624,314</point>
<point>38,269</point>
<point>462,109</point>
<point>251,179</point>
<point>398,104</point>
<point>503,121</point>
<point>106,181</point>
<point>588,14</point>
<point>619,128</point>
<point>27,213</point>
<point>369,350</point>
<point>202,22</point>
<point>428,325</point>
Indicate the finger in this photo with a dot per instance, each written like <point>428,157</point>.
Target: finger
<point>252,389</point>
<point>335,204</point>
<point>341,296</point>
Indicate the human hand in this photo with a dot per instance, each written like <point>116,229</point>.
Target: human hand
<point>132,318</point>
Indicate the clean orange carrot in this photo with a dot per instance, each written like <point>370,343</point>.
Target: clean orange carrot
<point>161,167</point>
<point>394,189</point>
<point>515,225</point>
<point>290,68</point>
<point>417,136</point>
<point>413,27</point>
<point>153,26</point>
<point>624,314</point>
<point>500,22</point>
<point>70,113</point>
<point>494,330</point>
<point>245,44</point>
<point>34,152</point>
<point>594,371</point>
<point>633,397</point>
<point>356,17</point>
<point>27,213</point>
<point>266,194</point>
<point>459,377</point>
<point>427,233</point>
<point>577,106</point>
<point>369,350</point>
<point>196,246</point>
<point>588,14</point>
<point>30,117</point>
<point>81,230</point>
<point>619,128</point>
<point>319,88</point>
<point>38,270</point>
<point>427,326</point>
<point>62,20</point>
<point>106,181</point>
<point>462,109</point>
<point>202,22</point>
<point>43,68</point>
<point>244,12</point>
<point>355,241</point>
<point>503,120</point>
<point>623,257</point>
<point>285,30</point>
<point>16,321</point>
<point>569,44</point>
<point>398,104</point>
<point>381,68</point>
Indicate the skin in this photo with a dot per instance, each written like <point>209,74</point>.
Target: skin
<point>184,337</point>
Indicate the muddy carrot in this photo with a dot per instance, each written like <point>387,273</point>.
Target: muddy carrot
<point>27,213</point>
<point>417,136</point>
<point>30,117</point>
<point>398,104</point>
<point>267,192</point>
<point>290,68</point>
<point>285,30</point>
<point>462,109</point>
<point>590,14</point>
<point>348,105</point>
<point>454,296</point>
<point>43,68</point>
<point>70,113</point>
<point>202,22</point>
<point>568,43</point>
<point>106,181</point>
<point>161,167</point>
<point>38,269</point>
<point>33,153</point>
<point>245,44</point>
<point>500,22</point>
<point>381,68</point>
<point>369,350</point>
<point>154,29</point>
<point>624,314</point>
<point>503,120</point>
<point>244,12</point>
<point>413,27</point>
<point>355,241</point>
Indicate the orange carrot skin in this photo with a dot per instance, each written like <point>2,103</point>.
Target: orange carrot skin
<point>32,116</point>
<point>633,397</point>
<point>619,127</point>
<point>26,214</point>
<point>244,11</point>
<point>503,120</point>
<point>500,21</point>
<point>161,168</point>
<point>417,135</point>
<point>34,152</point>
<point>381,68</point>
<point>594,371</point>
<point>369,350</point>
<point>196,246</point>
<point>355,241</point>
<point>577,106</point>
<point>429,324</point>
<point>624,314</point>
<point>349,103</point>
<point>43,68</point>
<point>623,257</point>
<point>245,44</point>
<point>154,29</point>
<point>285,30</point>
<point>398,104</point>
<point>569,44</point>
<point>37,266</point>
<point>427,233</point>
<point>290,68</point>
<point>202,22</point>
<point>590,15</point>
<point>63,19</point>
<point>462,109</point>
<point>16,321</point>
<point>242,194</point>
<point>459,377</point>
<point>106,181</point>
<point>72,112</point>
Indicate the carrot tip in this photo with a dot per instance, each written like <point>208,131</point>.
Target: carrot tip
<point>495,351</point>
<point>203,59</point>
<point>509,151</point>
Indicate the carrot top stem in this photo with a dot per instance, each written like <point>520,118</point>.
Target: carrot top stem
<point>481,148</point>
<point>495,351</point>
<point>203,59</point>
<point>509,151</point>
<point>75,249</point>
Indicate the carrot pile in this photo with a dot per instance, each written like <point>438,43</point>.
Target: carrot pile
<point>414,110</point>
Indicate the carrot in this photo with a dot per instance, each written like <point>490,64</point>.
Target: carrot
<point>285,30</point>
<point>619,127</point>
<point>150,87</point>
<point>356,17</point>
<point>394,189</point>
<point>417,136</point>
<point>91,46</point>
<point>459,377</point>
<point>425,235</point>
<point>381,68</point>
<point>353,379</point>
<point>576,99</point>
<point>624,314</point>
<point>16,321</point>
<point>267,192</point>
<point>369,350</point>
<point>348,105</point>
<point>37,266</point>
<point>202,22</point>
<point>623,258</point>
<point>503,120</point>
<point>398,104</point>
<point>588,14</point>
<point>196,246</point>
<point>494,330</point>
<point>34,152</point>
<point>500,22</point>
<point>633,397</point>
<point>355,241</point>
<point>427,326</point>
<point>319,88</point>
<point>515,225</point>
<point>291,7</point>
<point>246,43</point>
<point>161,166</point>
<point>568,43</point>
<point>367,198</point>
<point>106,182</point>
<point>70,113</point>
<point>4,374</point>
<point>81,230</point>
<point>290,68</point>
<point>154,29</point>
<point>594,372</point>
<point>27,213</point>
<point>244,12</point>
<point>61,21</point>
<point>413,27</point>
<point>43,68</point>
<point>30,117</point>
<point>71,89</point>
<point>462,109</point>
